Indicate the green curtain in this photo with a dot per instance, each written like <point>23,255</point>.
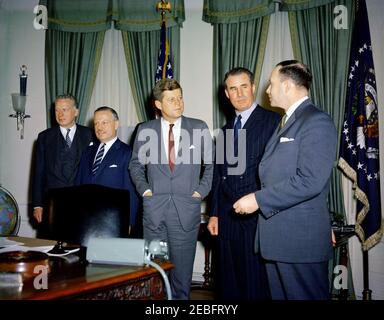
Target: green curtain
<point>79,16</point>
<point>71,64</point>
<point>239,44</point>
<point>75,37</point>
<point>291,5</point>
<point>325,50</point>
<point>140,16</point>
<point>97,15</point>
<point>229,11</point>
<point>141,52</point>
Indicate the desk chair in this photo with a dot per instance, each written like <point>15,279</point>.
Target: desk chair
<point>80,212</point>
<point>9,214</point>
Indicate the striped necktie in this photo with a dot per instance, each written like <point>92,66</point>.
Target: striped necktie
<point>98,159</point>
<point>68,139</point>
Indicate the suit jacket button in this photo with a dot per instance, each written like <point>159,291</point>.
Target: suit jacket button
<point>224,178</point>
<point>241,177</point>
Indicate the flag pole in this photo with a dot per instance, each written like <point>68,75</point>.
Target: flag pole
<point>163,6</point>
<point>367,293</point>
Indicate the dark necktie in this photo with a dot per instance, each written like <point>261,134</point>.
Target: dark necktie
<point>236,129</point>
<point>98,159</point>
<point>171,148</point>
<point>68,139</point>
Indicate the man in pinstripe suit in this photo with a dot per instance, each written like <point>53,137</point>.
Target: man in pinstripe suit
<point>241,274</point>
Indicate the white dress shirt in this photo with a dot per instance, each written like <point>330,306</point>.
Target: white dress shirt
<point>176,134</point>
<point>293,107</point>
<point>245,114</point>
<point>107,146</point>
<point>71,132</point>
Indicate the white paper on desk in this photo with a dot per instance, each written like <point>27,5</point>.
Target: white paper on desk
<point>4,242</point>
<point>25,248</point>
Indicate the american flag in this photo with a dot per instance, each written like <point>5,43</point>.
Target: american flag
<point>164,66</point>
<point>359,147</point>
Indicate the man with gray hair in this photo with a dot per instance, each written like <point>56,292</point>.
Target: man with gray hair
<point>57,155</point>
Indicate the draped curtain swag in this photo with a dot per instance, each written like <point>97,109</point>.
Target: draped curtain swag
<point>97,15</point>
<point>74,42</point>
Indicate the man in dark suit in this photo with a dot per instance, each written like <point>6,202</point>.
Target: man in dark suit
<point>241,274</point>
<point>294,230</point>
<point>58,151</point>
<point>172,168</point>
<point>106,163</point>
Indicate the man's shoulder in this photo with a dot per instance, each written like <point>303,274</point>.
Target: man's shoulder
<point>148,124</point>
<point>313,111</point>
<point>194,122</point>
<point>314,117</point>
<point>267,113</point>
<point>83,129</point>
<point>122,145</point>
<point>48,132</point>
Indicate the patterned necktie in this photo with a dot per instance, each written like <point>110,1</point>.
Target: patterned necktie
<point>98,159</point>
<point>68,139</point>
<point>171,148</point>
<point>282,122</point>
<point>236,129</point>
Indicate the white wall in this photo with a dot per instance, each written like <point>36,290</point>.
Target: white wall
<point>20,44</point>
<point>196,80</point>
<point>196,63</point>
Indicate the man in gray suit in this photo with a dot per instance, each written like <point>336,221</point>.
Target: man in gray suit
<point>294,230</point>
<point>172,169</point>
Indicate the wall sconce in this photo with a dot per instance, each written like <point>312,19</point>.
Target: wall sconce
<point>19,100</point>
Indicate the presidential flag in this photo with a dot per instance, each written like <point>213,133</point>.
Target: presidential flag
<point>164,66</point>
<point>359,147</point>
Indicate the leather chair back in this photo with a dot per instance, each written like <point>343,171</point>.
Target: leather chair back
<point>79,212</point>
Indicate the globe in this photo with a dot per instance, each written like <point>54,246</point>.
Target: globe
<point>9,213</point>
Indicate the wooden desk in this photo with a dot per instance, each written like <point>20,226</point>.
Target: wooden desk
<point>71,277</point>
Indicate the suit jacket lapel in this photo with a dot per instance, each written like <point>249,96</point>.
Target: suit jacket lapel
<point>275,139</point>
<point>55,140</point>
<point>253,119</point>
<point>162,154</point>
<point>185,125</point>
<point>108,156</point>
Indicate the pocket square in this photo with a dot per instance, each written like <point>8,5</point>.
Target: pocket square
<point>192,147</point>
<point>285,139</point>
<point>113,166</point>
<point>91,143</point>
